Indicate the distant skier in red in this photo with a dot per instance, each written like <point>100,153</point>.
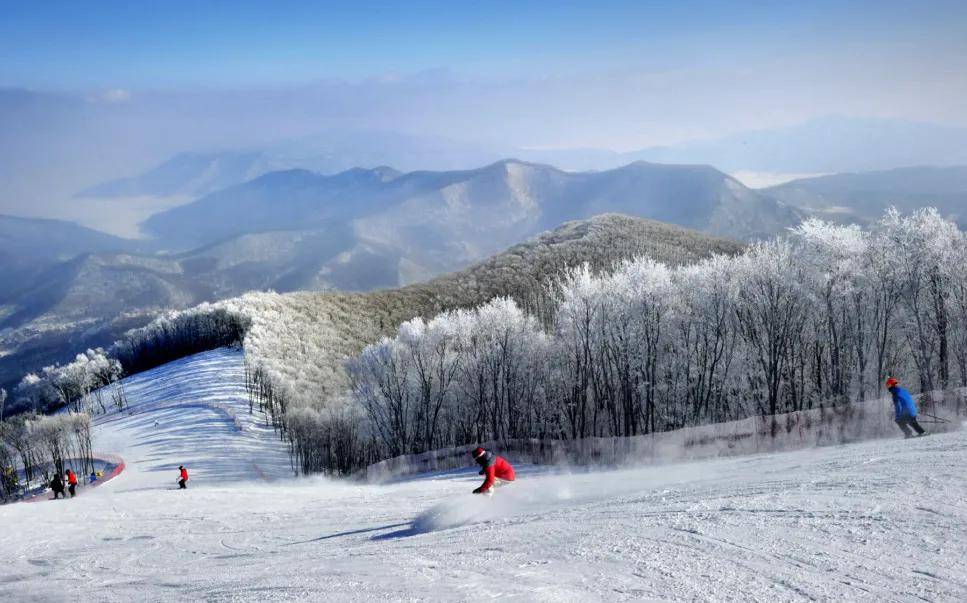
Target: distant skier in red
<point>182,477</point>
<point>496,469</point>
<point>72,483</point>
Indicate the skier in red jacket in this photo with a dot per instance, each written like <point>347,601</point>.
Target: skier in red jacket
<point>72,483</point>
<point>182,477</point>
<point>496,469</point>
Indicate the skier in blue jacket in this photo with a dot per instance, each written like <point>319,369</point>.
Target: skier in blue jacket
<point>905,408</point>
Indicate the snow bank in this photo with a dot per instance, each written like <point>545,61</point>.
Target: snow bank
<point>790,431</point>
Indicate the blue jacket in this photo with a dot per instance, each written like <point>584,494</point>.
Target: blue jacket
<point>903,403</point>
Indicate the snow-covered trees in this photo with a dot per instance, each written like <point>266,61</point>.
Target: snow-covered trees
<point>9,479</point>
<point>771,311</point>
<point>44,445</point>
<point>79,384</point>
<point>705,328</point>
<point>499,356</point>
<point>922,250</point>
<point>15,435</point>
<point>296,344</point>
<point>816,318</point>
<point>464,375</point>
<point>179,334</point>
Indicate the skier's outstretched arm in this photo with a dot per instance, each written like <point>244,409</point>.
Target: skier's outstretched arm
<point>488,481</point>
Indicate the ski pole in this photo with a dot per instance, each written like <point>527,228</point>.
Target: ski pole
<point>935,418</point>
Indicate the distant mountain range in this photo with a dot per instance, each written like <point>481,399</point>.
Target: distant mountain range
<point>358,230</point>
<point>862,197</point>
<point>823,145</point>
<point>826,145</point>
<point>30,246</point>
<point>197,174</point>
<point>363,229</point>
<point>443,219</point>
<point>184,174</point>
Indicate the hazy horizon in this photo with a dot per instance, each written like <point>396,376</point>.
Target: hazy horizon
<point>89,94</point>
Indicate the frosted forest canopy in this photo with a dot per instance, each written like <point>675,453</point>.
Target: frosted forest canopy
<point>819,317</point>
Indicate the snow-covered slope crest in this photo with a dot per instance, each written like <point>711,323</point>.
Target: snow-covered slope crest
<point>193,412</point>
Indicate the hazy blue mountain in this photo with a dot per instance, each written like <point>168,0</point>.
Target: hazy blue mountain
<point>29,246</point>
<point>336,151</point>
<point>184,174</point>
<point>832,144</point>
<point>197,174</point>
<point>862,197</point>
<point>468,214</point>
<point>358,230</point>
<point>823,145</point>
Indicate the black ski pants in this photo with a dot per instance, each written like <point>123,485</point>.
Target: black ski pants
<point>906,423</point>
<point>181,484</point>
<point>72,489</point>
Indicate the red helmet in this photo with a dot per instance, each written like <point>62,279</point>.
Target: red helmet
<point>891,381</point>
<point>478,452</point>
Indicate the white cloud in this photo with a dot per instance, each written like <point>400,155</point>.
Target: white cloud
<point>116,95</point>
<point>753,179</point>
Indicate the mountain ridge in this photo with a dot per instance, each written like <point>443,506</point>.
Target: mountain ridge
<point>95,298</point>
<point>29,246</point>
<point>863,196</point>
<point>539,195</point>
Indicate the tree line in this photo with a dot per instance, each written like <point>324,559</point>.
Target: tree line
<point>43,446</point>
<point>88,384</point>
<point>818,317</point>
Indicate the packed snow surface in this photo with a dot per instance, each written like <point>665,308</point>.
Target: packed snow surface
<point>881,520</point>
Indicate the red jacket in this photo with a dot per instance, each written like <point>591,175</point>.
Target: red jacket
<point>71,478</point>
<point>496,467</point>
<point>184,474</point>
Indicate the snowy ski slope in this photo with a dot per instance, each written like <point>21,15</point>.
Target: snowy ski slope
<point>880,520</point>
<point>192,412</point>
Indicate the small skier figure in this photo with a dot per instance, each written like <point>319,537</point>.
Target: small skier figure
<point>72,483</point>
<point>497,470</point>
<point>182,477</point>
<point>57,485</point>
<point>905,409</point>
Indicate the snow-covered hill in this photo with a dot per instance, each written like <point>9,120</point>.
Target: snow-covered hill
<point>882,520</point>
<point>29,247</point>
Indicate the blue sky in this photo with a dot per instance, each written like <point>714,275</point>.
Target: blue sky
<point>78,45</point>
